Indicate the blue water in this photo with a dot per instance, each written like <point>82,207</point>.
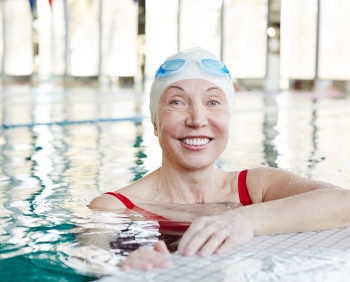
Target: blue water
<point>62,147</point>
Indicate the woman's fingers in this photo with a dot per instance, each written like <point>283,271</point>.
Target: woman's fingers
<point>161,247</point>
<point>200,239</point>
<point>197,235</point>
<point>146,263</point>
<point>146,259</point>
<point>216,234</point>
<point>196,225</point>
<point>213,243</point>
<point>151,263</point>
<point>136,264</point>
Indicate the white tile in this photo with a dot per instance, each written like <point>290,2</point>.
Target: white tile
<point>219,276</point>
<point>302,236</point>
<point>323,244</point>
<point>208,269</point>
<point>302,245</point>
<point>166,279</point>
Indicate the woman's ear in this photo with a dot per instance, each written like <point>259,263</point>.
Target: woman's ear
<point>155,124</point>
<point>155,129</point>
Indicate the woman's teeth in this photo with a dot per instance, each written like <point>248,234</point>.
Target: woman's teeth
<point>196,141</point>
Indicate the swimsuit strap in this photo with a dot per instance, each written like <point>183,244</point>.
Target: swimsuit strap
<point>130,205</point>
<point>123,199</point>
<point>242,188</point>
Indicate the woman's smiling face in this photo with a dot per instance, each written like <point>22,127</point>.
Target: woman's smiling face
<point>192,123</point>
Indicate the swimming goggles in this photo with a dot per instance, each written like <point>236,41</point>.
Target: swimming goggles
<point>210,66</point>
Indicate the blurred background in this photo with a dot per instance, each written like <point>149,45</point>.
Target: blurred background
<point>268,45</point>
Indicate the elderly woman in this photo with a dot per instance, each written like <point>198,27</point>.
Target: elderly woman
<point>191,103</point>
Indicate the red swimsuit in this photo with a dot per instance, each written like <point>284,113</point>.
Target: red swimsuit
<point>166,224</point>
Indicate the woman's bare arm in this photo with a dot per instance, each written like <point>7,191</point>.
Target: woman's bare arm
<point>284,202</point>
<point>294,203</point>
<point>315,210</point>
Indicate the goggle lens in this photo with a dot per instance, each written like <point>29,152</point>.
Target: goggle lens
<point>215,67</point>
<point>173,65</point>
<point>213,64</point>
<point>170,68</point>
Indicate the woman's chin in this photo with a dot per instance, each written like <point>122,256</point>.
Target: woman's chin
<point>197,164</point>
<point>192,161</point>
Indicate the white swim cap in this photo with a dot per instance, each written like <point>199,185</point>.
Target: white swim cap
<point>194,65</point>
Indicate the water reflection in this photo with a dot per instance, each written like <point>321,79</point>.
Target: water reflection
<point>50,171</point>
<point>314,158</point>
<point>291,133</point>
<point>140,169</point>
<point>270,121</point>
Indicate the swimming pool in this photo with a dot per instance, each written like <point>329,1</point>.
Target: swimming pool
<point>60,147</point>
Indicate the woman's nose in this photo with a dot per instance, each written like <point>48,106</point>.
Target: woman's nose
<point>196,117</point>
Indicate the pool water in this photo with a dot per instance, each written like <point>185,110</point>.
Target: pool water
<point>62,147</point>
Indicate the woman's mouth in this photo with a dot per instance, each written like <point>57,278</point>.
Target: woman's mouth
<point>196,141</point>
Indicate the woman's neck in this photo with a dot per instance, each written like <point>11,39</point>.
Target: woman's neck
<point>187,186</point>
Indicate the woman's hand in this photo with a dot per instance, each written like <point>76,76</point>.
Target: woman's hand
<point>216,234</point>
<point>146,259</point>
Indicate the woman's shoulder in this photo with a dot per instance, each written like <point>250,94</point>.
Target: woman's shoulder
<point>268,175</point>
<point>268,183</point>
<point>258,173</point>
<point>254,180</point>
<point>233,176</point>
<point>134,192</point>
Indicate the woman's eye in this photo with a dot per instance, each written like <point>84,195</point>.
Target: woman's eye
<point>214,103</point>
<point>175,102</point>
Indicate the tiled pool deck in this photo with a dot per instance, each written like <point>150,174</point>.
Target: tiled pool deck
<point>307,256</point>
